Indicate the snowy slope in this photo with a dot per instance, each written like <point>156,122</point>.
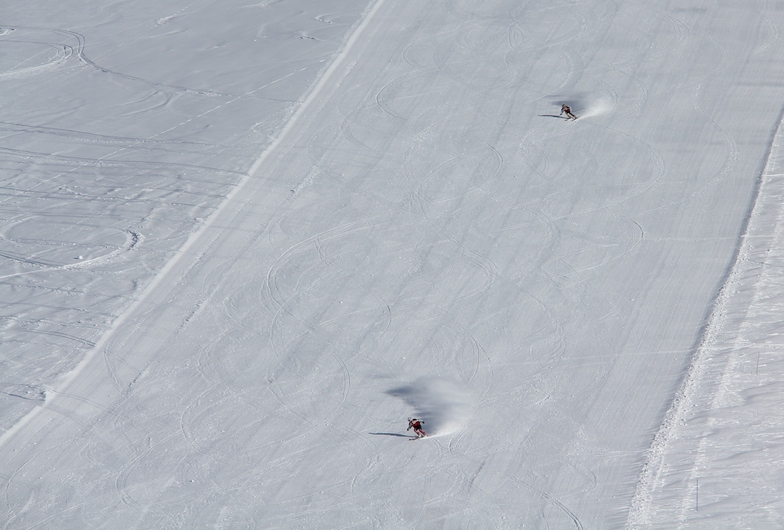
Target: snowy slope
<point>716,459</point>
<point>123,129</point>
<point>243,242</point>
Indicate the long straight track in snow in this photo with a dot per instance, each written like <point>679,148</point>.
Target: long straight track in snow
<point>318,88</point>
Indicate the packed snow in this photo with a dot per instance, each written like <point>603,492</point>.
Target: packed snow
<point>241,243</point>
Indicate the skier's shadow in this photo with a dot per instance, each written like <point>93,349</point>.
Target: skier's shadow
<point>392,434</point>
<point>552,116</point>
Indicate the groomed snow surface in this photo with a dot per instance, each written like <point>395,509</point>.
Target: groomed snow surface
<point>242,242</point>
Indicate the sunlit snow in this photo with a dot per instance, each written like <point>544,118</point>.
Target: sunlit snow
<point>242,242</point>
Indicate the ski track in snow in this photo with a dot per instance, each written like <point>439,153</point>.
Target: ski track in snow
<point>134,238</point>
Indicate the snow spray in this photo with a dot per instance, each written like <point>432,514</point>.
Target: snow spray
<point>444,405</point>
<point>586,105</point>
<point>596,107</point>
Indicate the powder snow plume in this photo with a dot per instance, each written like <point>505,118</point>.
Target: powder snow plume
<point>443,404</point>
<point>596,107</point>
<point>586,105</point>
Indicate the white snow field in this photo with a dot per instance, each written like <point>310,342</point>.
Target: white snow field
<point>242,242</point>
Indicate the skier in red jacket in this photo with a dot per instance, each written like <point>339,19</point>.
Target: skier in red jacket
<point>416,424</point>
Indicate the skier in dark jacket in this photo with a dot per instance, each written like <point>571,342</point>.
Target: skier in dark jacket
<point>416,424</point>
<point>568,110</point>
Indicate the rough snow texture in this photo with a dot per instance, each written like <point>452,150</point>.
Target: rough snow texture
<point>242,242</point>
<point>717,458</point>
